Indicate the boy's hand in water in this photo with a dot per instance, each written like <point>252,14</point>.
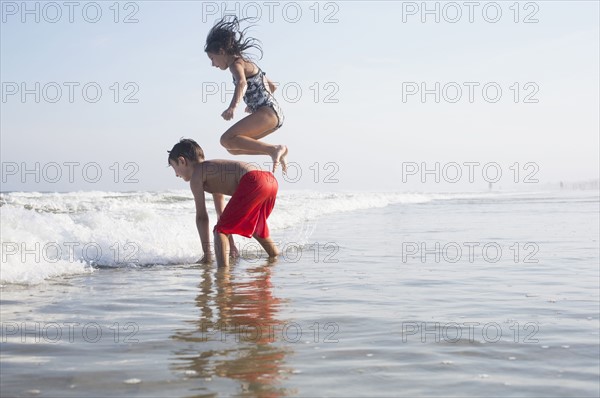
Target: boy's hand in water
<point>233,251</point>
<point>206,259</point>
<point>228,114</point>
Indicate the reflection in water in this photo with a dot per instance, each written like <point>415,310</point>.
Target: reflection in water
<point>238,333</point>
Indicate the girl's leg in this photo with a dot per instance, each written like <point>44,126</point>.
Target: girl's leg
<point>242,137</point>
<point>243,152</point>
<point>247,152</point>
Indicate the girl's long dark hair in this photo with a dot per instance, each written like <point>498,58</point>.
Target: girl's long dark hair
<point>226,35</point>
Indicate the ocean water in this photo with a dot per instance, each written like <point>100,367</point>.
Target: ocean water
<point>51,234</point>
<point>375,294</point>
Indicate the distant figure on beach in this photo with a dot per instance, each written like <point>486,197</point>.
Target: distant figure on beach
<point>252,192</point>
<point>226,47</point>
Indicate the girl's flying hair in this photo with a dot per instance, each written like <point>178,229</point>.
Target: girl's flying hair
<point>226,35</point>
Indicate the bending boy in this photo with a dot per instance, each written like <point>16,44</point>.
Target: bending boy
<point>252,192</point>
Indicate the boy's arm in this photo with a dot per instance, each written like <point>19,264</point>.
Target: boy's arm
<point>197,187</point>
<point>219,200</point>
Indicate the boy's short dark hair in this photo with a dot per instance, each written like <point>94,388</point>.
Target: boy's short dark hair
<point>187,148</point>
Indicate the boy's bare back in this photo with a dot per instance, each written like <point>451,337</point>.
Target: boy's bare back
<point>252,199</point>
<point>220,176</point>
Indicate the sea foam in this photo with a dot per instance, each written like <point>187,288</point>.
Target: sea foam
<point>44,235</point>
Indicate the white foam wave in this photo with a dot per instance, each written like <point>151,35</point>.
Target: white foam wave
<point>50,234</point>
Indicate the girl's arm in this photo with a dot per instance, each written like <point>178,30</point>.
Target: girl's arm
<point>237,70</point>
<point>272,86</point>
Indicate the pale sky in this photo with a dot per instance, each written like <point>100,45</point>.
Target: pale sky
<point>517,86</point>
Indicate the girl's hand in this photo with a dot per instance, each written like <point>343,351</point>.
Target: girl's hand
<point>228,114</point>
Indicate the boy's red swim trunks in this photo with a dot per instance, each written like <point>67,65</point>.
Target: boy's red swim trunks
<point>250,206</point>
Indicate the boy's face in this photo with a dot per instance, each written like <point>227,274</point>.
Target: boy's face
<point>182,167</point>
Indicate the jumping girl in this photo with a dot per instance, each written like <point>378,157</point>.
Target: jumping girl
<point>226,45</point>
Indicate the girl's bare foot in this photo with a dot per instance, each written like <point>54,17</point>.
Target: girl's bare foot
<point>283,161</point>
<point>280,157</point>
